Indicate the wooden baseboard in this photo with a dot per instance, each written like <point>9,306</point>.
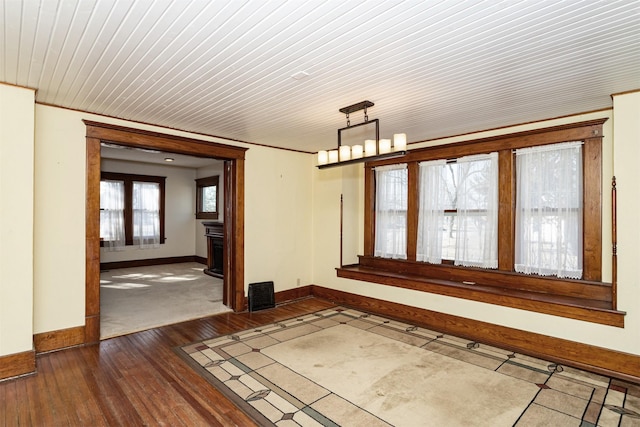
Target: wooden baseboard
<point>583,356</point>
<point>152,261</point>
<point>57,340</point>
<point>17,364</point>
<point>293,294</point>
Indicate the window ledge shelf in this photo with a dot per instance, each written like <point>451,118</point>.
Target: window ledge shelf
<point>570,307</point>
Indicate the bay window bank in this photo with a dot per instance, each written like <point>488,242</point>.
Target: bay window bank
<point>513,220</point>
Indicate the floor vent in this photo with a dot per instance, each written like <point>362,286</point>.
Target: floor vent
<point>261,296</point>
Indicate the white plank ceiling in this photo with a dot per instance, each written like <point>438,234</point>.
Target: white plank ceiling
<point>276,72</point>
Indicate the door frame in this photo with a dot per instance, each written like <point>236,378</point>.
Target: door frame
<point>233,269</point>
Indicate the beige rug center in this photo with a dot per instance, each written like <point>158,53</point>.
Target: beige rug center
<point>400,383</point>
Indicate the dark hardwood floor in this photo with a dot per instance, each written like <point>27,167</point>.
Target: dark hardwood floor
<point>133,380</point>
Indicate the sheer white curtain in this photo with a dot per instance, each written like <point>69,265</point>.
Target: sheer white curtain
<point>112,215</point>
<point>549,210</point>
<point>431,211</point>
<point>146,214</point>
<point>391,211</point>
<point>477,211</point>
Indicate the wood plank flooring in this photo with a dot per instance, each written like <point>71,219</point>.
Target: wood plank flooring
<point>133,380</point>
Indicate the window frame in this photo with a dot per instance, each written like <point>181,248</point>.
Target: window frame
<point>128,180</point>
<point>201,183</point>
<point>587,299</point>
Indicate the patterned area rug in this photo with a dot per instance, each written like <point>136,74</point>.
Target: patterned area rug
<point>343,367</point>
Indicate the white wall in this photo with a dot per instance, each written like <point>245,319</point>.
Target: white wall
<point>179,211</point>
<point>328,184</point>
<point>626,131</point>
<point>16,219</point>
<point>207,171</point>
<point>277,215</point>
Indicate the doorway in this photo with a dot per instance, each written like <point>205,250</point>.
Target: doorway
<point>98,133</point>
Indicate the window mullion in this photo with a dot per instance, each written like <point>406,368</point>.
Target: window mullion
<point>128,211</point>
<point>506,210</point>
<point>412,210</point>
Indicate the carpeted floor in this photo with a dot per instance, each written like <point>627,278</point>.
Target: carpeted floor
<point>136,299</point>
<point>343,367</point>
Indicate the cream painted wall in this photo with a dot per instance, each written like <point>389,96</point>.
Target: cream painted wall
<point>179,211</point>
<point>213,170</point>
<point>16,219</point>
<point>278,211</point>
<point>626,131</point>
<point>278,217</point>
<point>328,186</point>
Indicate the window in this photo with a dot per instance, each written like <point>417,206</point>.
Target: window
<point>112,214</point>
<point>391,211</point>
<point>146,213</point>
<point>549,210</point>
<point>458,211</point>
<point>207,198</point>
<point>131,210</point>
<point>549,262</point>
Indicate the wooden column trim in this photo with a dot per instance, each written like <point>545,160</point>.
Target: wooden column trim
<point>369,210</point>
<point>92,243</point>
<point>592,190</point>
<point>413,200</point>
<point>506,211</point>
<point>238,232</point>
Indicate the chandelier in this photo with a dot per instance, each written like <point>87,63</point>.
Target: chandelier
<point>361,142</point>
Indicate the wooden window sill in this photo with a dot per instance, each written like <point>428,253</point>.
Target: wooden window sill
<point>588,310</point>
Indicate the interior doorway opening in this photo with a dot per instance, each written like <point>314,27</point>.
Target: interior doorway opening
<point>233,268</point>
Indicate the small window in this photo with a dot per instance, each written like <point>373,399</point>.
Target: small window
<point>207,197</point>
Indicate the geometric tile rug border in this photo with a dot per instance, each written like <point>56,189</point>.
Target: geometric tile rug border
<point>272,394</point>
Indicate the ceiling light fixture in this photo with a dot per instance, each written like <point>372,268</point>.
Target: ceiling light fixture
<point>361,142</point>
<point>169,159</point>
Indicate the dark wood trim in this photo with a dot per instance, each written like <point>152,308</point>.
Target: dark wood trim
<point>57,340</point>
<point>506,211</point>
<point>583,356</point>
<point>413,196</point>
<point>160,141</point>
<point>580,131</point>
<point>17,364</point>
<point>614,244</point>
<point>234,296</point>
<point>290,295</point>
<point>151,261</point>
<point>592,214</point>
<point>598,292</point>
<point>569,307</point>
<point>234,205</point>
<point>92,329</point>
<point>92,243</point>
<point>369,211</point>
